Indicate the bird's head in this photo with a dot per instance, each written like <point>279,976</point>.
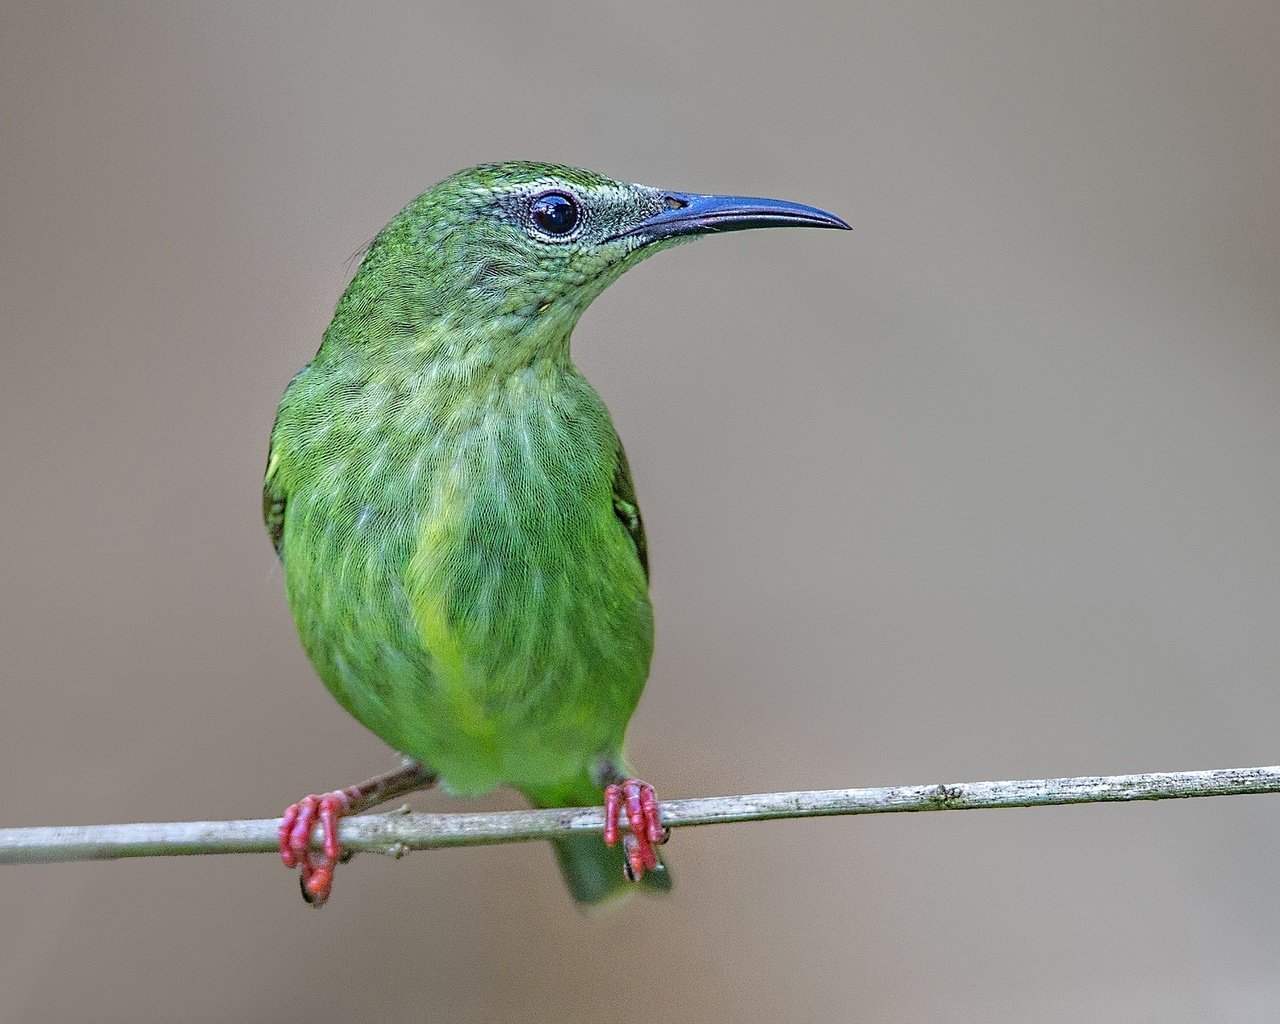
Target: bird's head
<point>515,252</point>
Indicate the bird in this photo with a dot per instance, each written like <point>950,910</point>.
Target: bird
<point>461,542</point>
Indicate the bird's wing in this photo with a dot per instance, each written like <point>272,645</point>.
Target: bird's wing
<point>627,509</point>
<point>273,502</point>
<point>274,492</point>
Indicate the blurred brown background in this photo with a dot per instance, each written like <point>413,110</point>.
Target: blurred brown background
<point>988,488</point>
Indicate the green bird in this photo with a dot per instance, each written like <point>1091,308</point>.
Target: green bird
<point>462,546</point>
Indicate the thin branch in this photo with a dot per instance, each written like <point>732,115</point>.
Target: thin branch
<point>397,833</point>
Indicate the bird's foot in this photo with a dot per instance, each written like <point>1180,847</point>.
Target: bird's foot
<point>644,825</point>
<point>315,868</point>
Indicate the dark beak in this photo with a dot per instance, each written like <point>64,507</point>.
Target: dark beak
<point>687,213</point>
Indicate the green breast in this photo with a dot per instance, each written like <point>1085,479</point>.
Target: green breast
<point>457,572</point>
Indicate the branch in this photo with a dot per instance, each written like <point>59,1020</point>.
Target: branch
<point>397,833</point>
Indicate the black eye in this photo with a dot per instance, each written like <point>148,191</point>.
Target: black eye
<point>555,213</point>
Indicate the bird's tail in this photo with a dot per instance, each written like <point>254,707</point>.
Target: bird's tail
<point>594,872</point>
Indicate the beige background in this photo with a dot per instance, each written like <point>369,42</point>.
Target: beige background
<point>987,488</point>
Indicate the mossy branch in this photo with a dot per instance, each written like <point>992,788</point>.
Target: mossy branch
<point>397,833</point>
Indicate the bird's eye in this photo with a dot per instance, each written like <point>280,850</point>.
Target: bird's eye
<point>555,213</point>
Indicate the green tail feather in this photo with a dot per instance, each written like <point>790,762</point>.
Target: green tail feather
<point>594,871</point>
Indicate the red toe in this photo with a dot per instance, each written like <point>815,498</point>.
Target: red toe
<point>317,884</point>
<point>315,867</point>
<point>284,831</point>
<point>644,824</point>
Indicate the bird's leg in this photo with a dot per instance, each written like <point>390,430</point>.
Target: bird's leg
<point>644,824</point>
<point>316,869</point>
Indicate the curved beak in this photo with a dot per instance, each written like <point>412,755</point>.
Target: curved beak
<point>688,213</point>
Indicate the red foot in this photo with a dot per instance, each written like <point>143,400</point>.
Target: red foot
<point>316,870</point>
<point>644,825</point>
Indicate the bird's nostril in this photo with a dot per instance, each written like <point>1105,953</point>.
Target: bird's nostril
<point>672,202</point>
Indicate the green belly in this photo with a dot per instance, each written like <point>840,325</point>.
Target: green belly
<point>492,627</point>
